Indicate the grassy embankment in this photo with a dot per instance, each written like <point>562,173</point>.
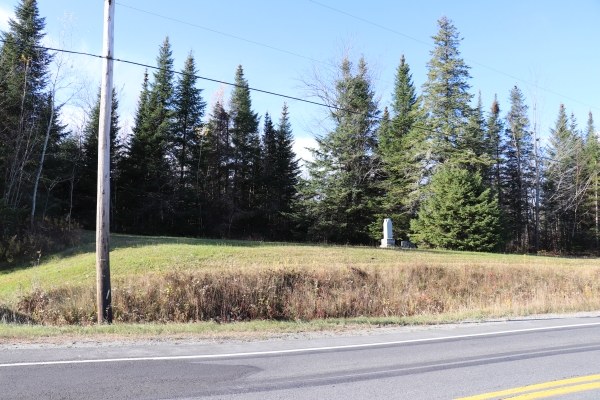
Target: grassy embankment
<point>177,281</point>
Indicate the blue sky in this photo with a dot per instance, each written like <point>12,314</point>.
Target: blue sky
<point>553,43</point>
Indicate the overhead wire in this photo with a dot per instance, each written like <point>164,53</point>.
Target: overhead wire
<point>470,60</point>
<point>233,36</point>
<point>192,75</point>
<point>219,81</point>
<point>219,32</point>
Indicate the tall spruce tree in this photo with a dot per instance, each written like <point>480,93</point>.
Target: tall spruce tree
<point>188,108</point>
<point>267,190</point>
<point>246,158</point>
<point>339,196</point>
<point>287,172</point>
<point>215,189</point>
<point>400,146</point>
<point>446,100</point>
<point>146,182</point>
<point>280,176</point>
<point>518,175</point>
<point>185,149</point>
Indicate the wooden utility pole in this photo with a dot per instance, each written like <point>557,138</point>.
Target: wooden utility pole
<point>103,202</point>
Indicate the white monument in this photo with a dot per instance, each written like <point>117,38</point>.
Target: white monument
<point>388,240</point>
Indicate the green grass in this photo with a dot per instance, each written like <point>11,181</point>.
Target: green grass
<point>138,255</point>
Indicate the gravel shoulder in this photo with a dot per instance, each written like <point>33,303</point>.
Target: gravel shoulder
<point>116,340</point>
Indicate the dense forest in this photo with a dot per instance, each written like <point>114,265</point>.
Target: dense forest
<point>449,171</point>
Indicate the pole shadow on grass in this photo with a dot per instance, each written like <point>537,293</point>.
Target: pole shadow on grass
<point>8,316</point>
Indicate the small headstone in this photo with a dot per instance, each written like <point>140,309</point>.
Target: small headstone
<point>406,244</point>
<point>388,240</point>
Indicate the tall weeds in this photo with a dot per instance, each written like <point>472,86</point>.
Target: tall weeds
<point>330,292</point>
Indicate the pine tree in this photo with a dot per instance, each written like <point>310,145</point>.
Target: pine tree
<point>563,182</point>
<point>246,157</point>
<point>592,211</point>
<point>188,113</point>
<point>267,191</point>
<point>185,149</point>
<point>339,196</point>
<point>215,192</point>
<point>23,81</point>
<point>400,146</point>
<point>147,174</point>
<point>269,152</point>
<point>404,100</point>
<point>496,146</point>
<point>460,213</point>
<point>446,100</point>
<point>518,175</point>
<point>286,167</point>
<point>280,175</point>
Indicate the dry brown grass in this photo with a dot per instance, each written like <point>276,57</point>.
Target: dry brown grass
<point>334,290</point>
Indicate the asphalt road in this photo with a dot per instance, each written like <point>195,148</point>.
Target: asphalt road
<point>438,363</point>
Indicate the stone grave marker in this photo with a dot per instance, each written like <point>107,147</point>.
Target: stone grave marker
<point>388,240</point>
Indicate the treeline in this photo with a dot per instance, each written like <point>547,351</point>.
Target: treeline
<point>177,175</point>
<point>449,173</point>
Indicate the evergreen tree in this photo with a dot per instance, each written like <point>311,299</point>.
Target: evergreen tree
<point>563,182</point>
<point>281,176</point>
<point>246,158</point>
<point>460,213</point>
<point>188,113</point>
<point>401,147</point>
<point>496,146</point>
<point>215,189</point>
<point>146,183</point>
<point>339,196</point>
<point>518,175</point>
<point>446,100</point>
<point>269,153</point>
<point>267,192</point>
<point>592,211</point>
<point>23,121</point>
<point>286,167</point>
<point>404,100</point>
<point>185,149</point>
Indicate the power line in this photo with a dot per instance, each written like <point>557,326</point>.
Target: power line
<point>193,75</point>
<point>222,82</point>
<point>470,60</point>
<point>330,64</point>
<point>221,33</point>
<point>233,36</point>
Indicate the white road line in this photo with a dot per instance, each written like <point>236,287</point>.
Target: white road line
<point>291,351</point>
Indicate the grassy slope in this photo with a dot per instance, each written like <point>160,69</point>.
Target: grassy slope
<point>522,284</point>
<point>135,255</point>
